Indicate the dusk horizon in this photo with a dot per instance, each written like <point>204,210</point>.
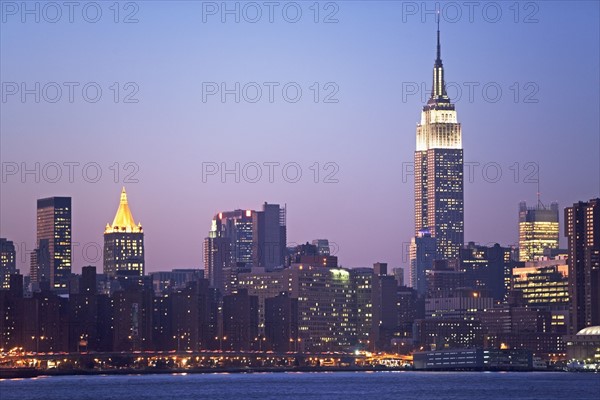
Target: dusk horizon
<point>193,192</point>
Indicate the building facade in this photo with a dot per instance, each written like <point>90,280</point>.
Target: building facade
<point>269,237</point>
<point>422,254</point>
<point>582,228</point>
<point>325,307</point>
<point>8,265</point>
<point>53,258</point>
<point>538,230</point>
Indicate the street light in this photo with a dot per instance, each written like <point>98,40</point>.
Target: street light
<point>37,342</point>
<point>260,339</point>
<point>295,341</point>
<point>220,339</point>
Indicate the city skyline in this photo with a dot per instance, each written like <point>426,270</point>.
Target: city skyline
<point>292,220</point>
<point>181,176</point>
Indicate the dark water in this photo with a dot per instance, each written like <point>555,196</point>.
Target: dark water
<point>330,386</point>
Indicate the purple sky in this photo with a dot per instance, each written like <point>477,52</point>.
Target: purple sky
<point>546,65</point>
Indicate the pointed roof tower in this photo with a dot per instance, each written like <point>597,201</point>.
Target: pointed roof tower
<point>123,221</point>
<point>438,91</point>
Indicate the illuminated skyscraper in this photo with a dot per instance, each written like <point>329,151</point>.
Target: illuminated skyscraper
<point>538,230</point>
<point>54,240</point>
<point>123,242</point>
<point>7,262</point>
<point>228,248</point>
<point>439,203</point>
<point>582,228</point>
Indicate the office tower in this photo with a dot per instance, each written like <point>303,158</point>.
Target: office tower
<point>123,243</point>
<point>237,227</point>
<point>269,237</point>
<point>54,241</point>
<point>582,228</point>
<point>444,278</point>
<point>384,307</point>
<point>487,268</point>
<point>8,265</point>
<point>240,321</point>
<point>438,169</point>
<point>46,328</point>
<point>132,319</point>
<point>11,314</point>
<point>544,284</point>
<point>228,248</point>
<point>216,261</point>
<point>451,321</point>
<point>185,320</point>
<point>83,313</point>
<point>422,254</point>
<point>538,230</point>
<point>281,323</point>
<point>362,291</point>
<point>263,285</point>
<point>410,308</point>
<point>325,306</point>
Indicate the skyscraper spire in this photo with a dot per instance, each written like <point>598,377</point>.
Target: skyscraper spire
<point>439,47</point>
<point>438,90</point>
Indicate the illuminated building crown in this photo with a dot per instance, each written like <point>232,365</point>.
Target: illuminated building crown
<point>123,221</point>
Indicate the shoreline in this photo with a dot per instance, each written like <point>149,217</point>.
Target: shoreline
<point>24,373</point>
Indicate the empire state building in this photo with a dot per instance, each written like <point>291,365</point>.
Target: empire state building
<point>439,203</point>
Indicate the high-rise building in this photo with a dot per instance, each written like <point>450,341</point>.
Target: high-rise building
<point>237,227</point>
<point>132,319</point>
<point>439,202</point>
<point>12,316</point>
<point>384,307</point>
<point>544,284</point>
<point>538,230</point>
<point>241,239</point>
<point>281,323</point>
<point>263,285</point>
<point>54,241</point>
<point>123,243</point>
<point>487,268</point>
<point>240,321</point>
<point>8,265</point>
<point>325,306</point>
<point>422,254</point>
<point>362,288</point>
<point>269,237</point>
<point>228,248</point>
<point>582,228</point>
<point>216,261</point>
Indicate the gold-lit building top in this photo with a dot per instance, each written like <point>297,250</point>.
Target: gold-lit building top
<point>123,221</point>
